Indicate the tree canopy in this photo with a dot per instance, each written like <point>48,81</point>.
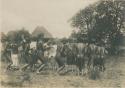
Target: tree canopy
<point>102,22</point>
<point>16,36</point>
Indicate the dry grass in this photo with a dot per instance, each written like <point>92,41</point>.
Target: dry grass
<point>113,77</point>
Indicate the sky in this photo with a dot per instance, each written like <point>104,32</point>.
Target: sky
<point>51,14</point>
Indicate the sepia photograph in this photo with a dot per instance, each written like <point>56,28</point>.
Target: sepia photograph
<point>62,44</point>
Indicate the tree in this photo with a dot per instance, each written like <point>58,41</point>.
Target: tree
<point>64,40</point>
<point>23,34</point>
<point>79,36</point>
<point>11,36</point>
<point>109,22</point>
<point>102,22</point>
<point>83,19</point>
<point>16,36</point>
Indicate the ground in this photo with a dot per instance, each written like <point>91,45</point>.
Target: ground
<point>113,77</point>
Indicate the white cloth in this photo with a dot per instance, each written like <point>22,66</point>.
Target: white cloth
<point>51,52</point>
<point>33,44</point>
<point>15,61</point>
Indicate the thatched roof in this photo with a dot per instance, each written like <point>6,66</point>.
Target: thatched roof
<point>40,29</point>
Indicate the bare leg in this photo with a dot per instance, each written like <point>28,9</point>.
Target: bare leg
<point>25,66</point>
<point>61,68</point>
<point>72,68</point>
<point>88,64</point>
<point>40,68</point>
<point>78,72</point>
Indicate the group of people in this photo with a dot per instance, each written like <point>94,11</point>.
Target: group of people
<point>83,55</point>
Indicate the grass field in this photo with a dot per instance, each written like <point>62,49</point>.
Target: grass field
<point>113,77</point>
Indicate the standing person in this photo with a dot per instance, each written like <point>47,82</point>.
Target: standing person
<point>14,57</point>
<point>40,42</point>
<point>25,45</point>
